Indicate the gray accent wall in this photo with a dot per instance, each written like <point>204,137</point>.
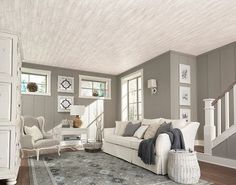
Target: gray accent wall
<point>216,70</point>
<point>157,105</point>
<point>177,58</point>
<point>47,105</point>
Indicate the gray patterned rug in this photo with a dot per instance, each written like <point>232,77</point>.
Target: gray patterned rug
<point>81,168</point>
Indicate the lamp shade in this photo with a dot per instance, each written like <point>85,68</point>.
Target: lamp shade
<point>152,83</point>
<point>77,110</point>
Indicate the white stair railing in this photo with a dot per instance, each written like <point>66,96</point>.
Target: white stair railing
<point>210,138</point>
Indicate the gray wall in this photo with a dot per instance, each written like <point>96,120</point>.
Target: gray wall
<point>216,70</point>
<point>177,58</point>
<point>157,105</point>
<point>47,105</point>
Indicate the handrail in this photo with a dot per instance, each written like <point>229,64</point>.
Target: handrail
<point>223,94</point>
<point>94,120</point>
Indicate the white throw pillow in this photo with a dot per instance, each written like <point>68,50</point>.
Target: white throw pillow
<point>120,127</point>
<point>151,121</point>
<point>34,132</point>
<point>176,123</point>
<point>141,131</point>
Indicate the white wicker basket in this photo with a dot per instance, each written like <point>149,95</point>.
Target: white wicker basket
<point>183,167</point>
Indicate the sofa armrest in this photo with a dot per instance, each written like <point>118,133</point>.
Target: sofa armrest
<point>47,135</point>
<point>108,131</point>
<point>26,141</point>
<point>163,145</point>
<point>189,133</point>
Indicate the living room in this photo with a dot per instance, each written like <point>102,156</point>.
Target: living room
<point>117,92</point>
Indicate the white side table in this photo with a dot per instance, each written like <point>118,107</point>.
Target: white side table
<point>183,167</point>
<point>60,133</point>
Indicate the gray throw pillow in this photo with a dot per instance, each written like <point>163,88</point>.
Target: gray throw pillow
<point>164,127</point>
<point>131,128</point>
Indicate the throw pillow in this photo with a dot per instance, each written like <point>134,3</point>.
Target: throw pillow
<point>120,127</point>
<point>141,131</point>
<point>151,130</point>
<point>176,123</point>
<point>34,132</point>
<point>164,127</point>
<point>131,128</point>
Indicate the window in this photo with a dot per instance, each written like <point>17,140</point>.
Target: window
<point>94,87</point>
<point>132,96</point>
<point>41,77</point>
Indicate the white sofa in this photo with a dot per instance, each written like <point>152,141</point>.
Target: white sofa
<point>127,147</point>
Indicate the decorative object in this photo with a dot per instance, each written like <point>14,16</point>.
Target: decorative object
<point>99,168</point>
<point>65,84</point>
<point>185,114</point>
<point>93,147</point>
<point>64,103</point>
<point>183,167</point>
<point>184,95</point>
<point>95,93</point>
<point>32,87</point>
<point>152,84</point>
<point>77,111</point>
<point>184,73</point>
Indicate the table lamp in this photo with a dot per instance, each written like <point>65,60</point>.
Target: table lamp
<point>77,111</point>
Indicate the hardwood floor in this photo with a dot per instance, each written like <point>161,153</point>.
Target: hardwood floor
<point>216,174</point>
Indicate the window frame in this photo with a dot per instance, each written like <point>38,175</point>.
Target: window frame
<point>40,73</point>
<point>107,82</point>
<point>125,79</point>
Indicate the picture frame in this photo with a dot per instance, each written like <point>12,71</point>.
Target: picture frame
<point>185,114</point>
<point>64,103</point>
<point>184,96</point>
<point>184,74</point>
<point>65,84</point>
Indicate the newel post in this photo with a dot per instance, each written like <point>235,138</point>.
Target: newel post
<point>209,128</point>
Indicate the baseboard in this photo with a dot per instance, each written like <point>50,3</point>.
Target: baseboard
<point>199,142</point>
<point>230,163</point>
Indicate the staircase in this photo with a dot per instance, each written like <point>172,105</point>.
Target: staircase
<point>213,134</point>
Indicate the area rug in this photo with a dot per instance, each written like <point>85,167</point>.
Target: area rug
<point>81,168</point>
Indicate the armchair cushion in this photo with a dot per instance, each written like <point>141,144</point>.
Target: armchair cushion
<point>44,143</point>
<point>27,142</point>
<point>34,132</point>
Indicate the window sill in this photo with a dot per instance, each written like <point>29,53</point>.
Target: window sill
<point>94,97</point>
<point>36,94</point>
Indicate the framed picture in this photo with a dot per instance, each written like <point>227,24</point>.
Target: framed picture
<point>184,95</point>
<point>184,74</point>
<point>65,84</point>
<point>185,114</point>
<point>64,103</point>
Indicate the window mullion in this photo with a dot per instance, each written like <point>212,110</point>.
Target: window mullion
<point>137,98</point>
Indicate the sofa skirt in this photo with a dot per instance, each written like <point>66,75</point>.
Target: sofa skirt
<point>131,155</point>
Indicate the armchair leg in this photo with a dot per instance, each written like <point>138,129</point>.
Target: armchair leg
<point>37,153</point>
<point>59,150</point>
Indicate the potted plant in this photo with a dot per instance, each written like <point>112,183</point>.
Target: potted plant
<point>95,93</point>
<point>32,87</point>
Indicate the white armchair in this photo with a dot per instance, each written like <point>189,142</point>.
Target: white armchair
<point>27,142</point>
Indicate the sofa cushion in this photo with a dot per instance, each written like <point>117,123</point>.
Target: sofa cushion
<point>151,130</point>
<point>44,143</point>
<point>129,142</point>
<point>131,128</point>
<point>176,123</point>
<point>120,127</point>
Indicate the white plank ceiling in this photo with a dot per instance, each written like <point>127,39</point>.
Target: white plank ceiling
<point>112,36</point>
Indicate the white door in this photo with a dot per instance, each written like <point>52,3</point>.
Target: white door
<point>4,148</point>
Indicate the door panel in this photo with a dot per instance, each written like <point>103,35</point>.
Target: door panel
<point>4,149</point>
<point>5,102</point>
<point>5,56</point>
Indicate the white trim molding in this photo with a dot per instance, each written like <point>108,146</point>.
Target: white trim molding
<point>199,142</point>
<point>230,163</point>
<point>99,79</point>
<point>40,72</point>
